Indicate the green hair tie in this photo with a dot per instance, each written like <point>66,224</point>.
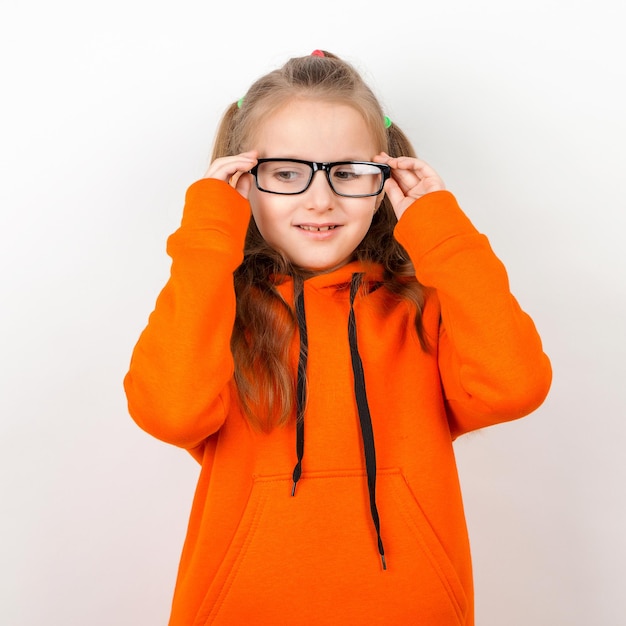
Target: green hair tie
<point>239,103</point>
<point>387,121</point>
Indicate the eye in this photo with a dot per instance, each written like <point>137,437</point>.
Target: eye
<point>287,175</point>
<point>345,173</point>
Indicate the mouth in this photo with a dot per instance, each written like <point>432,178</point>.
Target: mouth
<point>318,229</point>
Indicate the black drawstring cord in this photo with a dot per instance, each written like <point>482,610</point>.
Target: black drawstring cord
<point>365,418</point>
<point>301,388</point>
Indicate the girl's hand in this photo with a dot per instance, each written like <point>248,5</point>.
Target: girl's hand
<point>410,179</point>
<point>230,170</point>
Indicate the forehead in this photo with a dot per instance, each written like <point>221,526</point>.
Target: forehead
<point>315,130</point>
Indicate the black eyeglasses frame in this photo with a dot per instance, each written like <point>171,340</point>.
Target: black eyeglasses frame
<point>322,167</point>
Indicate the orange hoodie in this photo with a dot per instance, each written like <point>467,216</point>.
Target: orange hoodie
<point>376,449</point>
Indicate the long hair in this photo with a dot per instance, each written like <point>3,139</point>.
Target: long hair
<point>265,324</point>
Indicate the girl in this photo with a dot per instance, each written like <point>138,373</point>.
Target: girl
<point>332,323</point>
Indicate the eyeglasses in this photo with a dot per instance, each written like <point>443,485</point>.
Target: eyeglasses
<point>351,179</point>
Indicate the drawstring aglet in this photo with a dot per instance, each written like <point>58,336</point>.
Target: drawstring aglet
<point>297,472</point>
<point>383,561</point>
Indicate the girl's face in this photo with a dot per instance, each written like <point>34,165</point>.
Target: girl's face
<point>317,230</point>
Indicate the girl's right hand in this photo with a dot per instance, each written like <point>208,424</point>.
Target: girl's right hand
<point>231,169</point>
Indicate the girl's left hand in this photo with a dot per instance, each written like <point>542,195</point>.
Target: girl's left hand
<point>411,179</point>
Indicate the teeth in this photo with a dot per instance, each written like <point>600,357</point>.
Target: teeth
<point>317,228</point>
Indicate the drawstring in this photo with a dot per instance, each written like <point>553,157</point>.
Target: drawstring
<point>364,414</point>
<point>365,419</point>
<point>300,387</point>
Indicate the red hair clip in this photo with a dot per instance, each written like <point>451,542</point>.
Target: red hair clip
<point>317,53</point>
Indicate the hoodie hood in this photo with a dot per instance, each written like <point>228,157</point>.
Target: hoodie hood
<point>342,276</point>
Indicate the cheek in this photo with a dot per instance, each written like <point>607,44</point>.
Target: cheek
<point>258,218</point>
<point>369,210</point>
<point>366,227</point>
<point>366,218</point>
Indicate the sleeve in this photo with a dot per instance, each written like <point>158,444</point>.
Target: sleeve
<point>177,385</point>
<point>491,361</point>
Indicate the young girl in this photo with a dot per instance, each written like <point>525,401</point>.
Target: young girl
<point>332,323</point>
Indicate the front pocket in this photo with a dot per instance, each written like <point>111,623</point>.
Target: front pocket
<point>408,507</point>
<point>312,558</point>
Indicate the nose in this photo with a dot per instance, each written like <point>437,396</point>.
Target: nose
<point>319,196</point>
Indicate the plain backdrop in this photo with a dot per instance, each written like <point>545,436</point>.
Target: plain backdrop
<point>107,114</point>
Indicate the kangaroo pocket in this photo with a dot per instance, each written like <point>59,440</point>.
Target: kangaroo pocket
<point>312,558</point>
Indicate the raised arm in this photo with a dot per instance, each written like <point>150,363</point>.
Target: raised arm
<point>491,359</point>
<point>178,382</point>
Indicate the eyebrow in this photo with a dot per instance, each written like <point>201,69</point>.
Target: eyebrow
<point>294,158</point>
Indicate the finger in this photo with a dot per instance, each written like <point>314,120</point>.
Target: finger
<point>394,193</point>
<point>419,166</point>
<point>225,168</point>
<point>404,170</point>
<point>412,173</point>
<point>232,181</point>
<point>243,185</point>
<point>405,180</point>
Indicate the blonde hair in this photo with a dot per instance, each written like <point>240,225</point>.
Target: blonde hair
<point>265,324</point>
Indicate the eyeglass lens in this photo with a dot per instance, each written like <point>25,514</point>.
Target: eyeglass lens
<point>347,179</point>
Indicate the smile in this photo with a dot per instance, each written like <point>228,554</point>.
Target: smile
<point>317,228</point>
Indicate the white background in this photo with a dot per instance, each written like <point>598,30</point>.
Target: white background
<point>107,114</point>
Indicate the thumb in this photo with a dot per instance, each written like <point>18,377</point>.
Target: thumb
<point>396,197</point>
<point>243,184</point>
